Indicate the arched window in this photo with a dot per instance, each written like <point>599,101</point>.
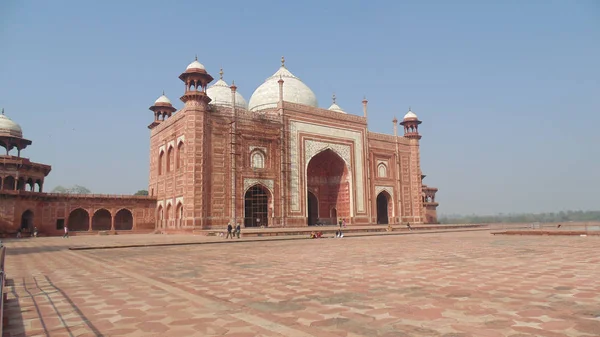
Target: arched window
<point>180,155</point>
<point>381,171</point>
<point>161,159</point>
<point>258,160</point>
<point>169,159</point>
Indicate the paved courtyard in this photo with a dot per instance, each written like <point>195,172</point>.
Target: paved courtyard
<point>448,284</point>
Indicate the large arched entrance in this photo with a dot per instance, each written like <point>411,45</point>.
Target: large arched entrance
<point>313,209</point>
<point>256,207</point>
<point>124,220</point>
<point>327,177</point>
<point>27,220</point>
<point>101,221</point>
<point>383,208</point>
<point>79,220</point>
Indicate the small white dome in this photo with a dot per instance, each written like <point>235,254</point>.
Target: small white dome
<point>335,107</point>
<point>410,115</point>
<point>8,128</point>
<point>195,65</point>
<point>163,99</point>
<point>266,95</point>
<point>220,95</point>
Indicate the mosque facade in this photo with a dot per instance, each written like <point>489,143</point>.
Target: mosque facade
<point>277,160</point>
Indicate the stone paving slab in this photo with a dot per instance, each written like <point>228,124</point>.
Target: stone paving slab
<point>439,284</point>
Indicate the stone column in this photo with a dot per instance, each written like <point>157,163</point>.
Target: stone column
<point>112,223</point>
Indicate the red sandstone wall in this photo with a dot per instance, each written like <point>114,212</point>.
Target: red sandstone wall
<point>48,208</point>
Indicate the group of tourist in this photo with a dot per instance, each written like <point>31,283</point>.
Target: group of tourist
<point>231,231</point>
<point>34,232</point>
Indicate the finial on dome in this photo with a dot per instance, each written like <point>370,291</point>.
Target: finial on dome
<point>196,57</point>
<point>221,73</point>
<point>232,82</point>
<point>409,108</point>
<point>283,61</point>
<point>333,98</point>
<point>3,111</point>
<point>163,92</point>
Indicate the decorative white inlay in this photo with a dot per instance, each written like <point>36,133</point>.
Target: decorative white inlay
<point>171,144</point>
<point>313,147</point>
<point>161,149</point>
<point>180,139</point>
<point>296,171</point>
<point>268,183</point>
<point>263,149</point>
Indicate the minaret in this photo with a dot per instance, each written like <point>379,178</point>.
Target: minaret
<point>162,109</point>
<point>364,102</point>
<point>196,80</point>
<point>395,122</point>
<point>411,125</point>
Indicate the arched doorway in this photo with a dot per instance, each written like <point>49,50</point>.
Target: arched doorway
<point>328,179</point>
<point>27,220</point>
<point>313,209</point>
<point>168,215</point>
<point>383,208</point>
<point>256,207</point>
<point>79,220</point>
<point>123,220</point>
<point>101,221</point>
<point>160,215</point>
<point>179,214</point>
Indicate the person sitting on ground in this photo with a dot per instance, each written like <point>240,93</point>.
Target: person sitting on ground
<point>35,232</point>
<point>313,235</point>
<point>408,225</point>
<point>319,235</point>
<point>389,228</point>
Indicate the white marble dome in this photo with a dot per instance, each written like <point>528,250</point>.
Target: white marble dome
<point>8,128</point>
<point>163,99</point>
<point>266,95</point>
<point>195,65</point>
<point>335,107</point>
<point>220,95</point>
<point>410,115</point>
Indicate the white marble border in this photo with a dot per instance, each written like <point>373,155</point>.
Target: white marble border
<point>295,128</point>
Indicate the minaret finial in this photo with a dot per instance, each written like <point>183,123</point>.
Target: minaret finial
<point>221,73</point>
<point>196,57</point>
<point>163,92</point>
<point>333,98</point>
<point>409,108</point>
<point>3,111</point>
<point>283,61</point>
<point>232,82</point>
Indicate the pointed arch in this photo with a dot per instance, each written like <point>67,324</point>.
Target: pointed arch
<point>384,207</point>
<point>257,159</point>
<point>169,161</point>
<point>179,213</point>
<point>102,220</point>
<point>123,220</point>
<point>180,154</point>
<point>382,171</point>
<point>79,220</point>
<point>257,199</point>
<point>27,220</point>
<point>161,159</point>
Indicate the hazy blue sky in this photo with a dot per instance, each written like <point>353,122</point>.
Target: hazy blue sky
<point>508,91</point>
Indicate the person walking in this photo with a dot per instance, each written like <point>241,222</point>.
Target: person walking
<point>66,235</point>
<point>229,231</point>
<point>238,230</point>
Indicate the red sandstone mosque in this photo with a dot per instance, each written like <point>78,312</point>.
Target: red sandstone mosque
<point>278,160</point>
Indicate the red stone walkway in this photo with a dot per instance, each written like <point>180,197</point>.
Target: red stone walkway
<point>448,285</point>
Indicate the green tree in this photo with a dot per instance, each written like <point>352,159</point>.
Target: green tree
<point>75,189</point>
<point>141,192</point>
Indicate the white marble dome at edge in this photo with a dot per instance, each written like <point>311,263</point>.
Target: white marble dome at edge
<point>220,95</point>
<point>10,128</point>
<point>266,95</point>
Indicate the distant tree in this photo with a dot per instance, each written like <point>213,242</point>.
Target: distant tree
<point>75,189</point>
<point>141,192</point>
<point>59,189</point>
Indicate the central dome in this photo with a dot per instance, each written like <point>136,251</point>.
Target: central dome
<point>294,90</point>
<point>8,128</point>
<point>220,94</point>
